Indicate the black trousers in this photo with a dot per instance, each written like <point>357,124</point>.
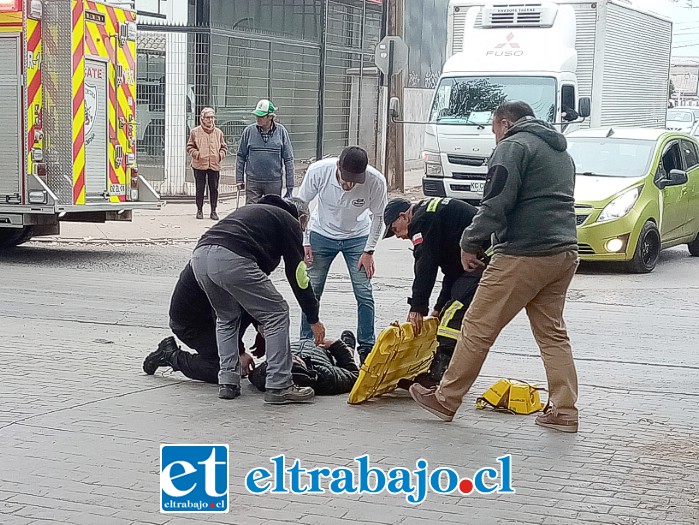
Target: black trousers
<point>204,364</point>
<point>451,317</point>
<point>201,178</point>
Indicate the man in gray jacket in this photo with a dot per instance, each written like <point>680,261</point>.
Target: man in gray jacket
<point>265,155</point>
<point>528,214</point>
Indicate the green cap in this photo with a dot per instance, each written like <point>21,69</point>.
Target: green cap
<point>264,107</point>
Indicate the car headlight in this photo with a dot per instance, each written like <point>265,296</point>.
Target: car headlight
<point>620,206</point>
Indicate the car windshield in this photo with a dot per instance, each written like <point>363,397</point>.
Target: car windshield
<point>472,100</point>
<point>680,116</point>
<point>610,157</point>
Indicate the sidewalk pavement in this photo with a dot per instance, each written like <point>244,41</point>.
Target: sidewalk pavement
<point>175,222</point>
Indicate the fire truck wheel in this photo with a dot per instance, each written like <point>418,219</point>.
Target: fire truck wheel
<point>26,235</point>
<point>10,237</point>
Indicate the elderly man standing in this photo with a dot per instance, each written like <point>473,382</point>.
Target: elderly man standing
<point>528,209</point>
<point>207,147</point>
<point>265,156</point>
<point>348,219</point>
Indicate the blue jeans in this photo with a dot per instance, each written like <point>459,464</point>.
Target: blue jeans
<point>324,252</point>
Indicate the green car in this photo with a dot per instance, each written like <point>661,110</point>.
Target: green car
<point>636,193</point>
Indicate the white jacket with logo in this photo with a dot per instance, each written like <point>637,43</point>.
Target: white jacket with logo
<point>340,214</point>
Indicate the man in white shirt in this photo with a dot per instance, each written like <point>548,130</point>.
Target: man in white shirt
<point>348,219</point>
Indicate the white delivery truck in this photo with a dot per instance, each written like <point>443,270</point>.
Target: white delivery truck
<point>607,57</point>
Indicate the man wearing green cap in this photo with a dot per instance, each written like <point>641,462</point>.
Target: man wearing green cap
<point>265,156</point>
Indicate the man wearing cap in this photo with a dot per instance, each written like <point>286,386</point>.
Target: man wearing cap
<point>265,155</point>
<point>435,226</point>
<point>232,263</point>
<point>348,219</point>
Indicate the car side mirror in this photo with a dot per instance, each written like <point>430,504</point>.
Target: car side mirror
<point>584,107</point>
<point>394,108</point>
<point>677,177</point>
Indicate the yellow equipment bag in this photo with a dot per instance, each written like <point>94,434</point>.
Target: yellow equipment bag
<point>398,354</point>
<point>512,395</point>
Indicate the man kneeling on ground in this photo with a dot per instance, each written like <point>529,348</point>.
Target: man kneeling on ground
<point>193,321</point>
<point>328,368</point>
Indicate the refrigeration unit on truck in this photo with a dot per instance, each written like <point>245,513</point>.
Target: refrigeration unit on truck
<point>607,54</point>
<point>67,117</point>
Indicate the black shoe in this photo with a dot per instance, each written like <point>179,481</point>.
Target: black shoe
<point>427,380</point>
<point>363,354</point>
<point>404,384</point>
<point>163,356</point>
<point>153,361</point>
<point>348,338</point>
<point>213,216</point>
<point>228,391</point>
<point>200,214</point>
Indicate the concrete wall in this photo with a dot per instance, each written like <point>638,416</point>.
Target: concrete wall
<point>416,107</point>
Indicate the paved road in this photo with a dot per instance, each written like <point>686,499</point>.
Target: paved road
<point>80,424</point>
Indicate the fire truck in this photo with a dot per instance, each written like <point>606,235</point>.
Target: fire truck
<point>67,117</point>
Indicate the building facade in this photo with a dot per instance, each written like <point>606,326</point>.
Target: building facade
<point>684,74</point>
<point>313,58</point>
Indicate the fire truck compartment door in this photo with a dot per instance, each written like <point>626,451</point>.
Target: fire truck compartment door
<point>10,120</point>
<point>96,130</point>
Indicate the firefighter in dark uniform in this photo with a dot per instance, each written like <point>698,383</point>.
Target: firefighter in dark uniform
<point>434,226</point>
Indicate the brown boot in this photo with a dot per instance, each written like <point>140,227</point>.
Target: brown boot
<point>550,419</point>
<point>427,399</point>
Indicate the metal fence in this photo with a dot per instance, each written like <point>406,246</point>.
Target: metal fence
<point>325,86</point>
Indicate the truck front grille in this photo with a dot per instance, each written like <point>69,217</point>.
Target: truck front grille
<point>469,176</point>
<point>466,160</point>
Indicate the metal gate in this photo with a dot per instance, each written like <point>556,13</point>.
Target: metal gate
<point>96,130</point>
<point>315,62</point>
<point>10,120</point>
<point>351,81</point>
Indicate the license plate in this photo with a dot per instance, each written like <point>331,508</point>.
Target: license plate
<point>477,186</point>
<point>117,189</point>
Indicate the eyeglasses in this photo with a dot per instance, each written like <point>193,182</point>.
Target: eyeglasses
<point>208,116</point>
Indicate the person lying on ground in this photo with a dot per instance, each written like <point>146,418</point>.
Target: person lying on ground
<point>328,368</point>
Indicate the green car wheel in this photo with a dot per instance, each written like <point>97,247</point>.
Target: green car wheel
<point>694,246</point>
<point>647,250</point>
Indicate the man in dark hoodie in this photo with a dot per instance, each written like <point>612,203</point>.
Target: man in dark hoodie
<point>232,263</point>
<point>528,211</point>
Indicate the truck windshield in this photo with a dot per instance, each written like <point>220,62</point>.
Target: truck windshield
<point>680,116</point>
<point>472,100</point>
<point>610,157</point>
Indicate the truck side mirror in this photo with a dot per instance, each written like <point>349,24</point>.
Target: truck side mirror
<point>584,107</point>
<point>394,108</point>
